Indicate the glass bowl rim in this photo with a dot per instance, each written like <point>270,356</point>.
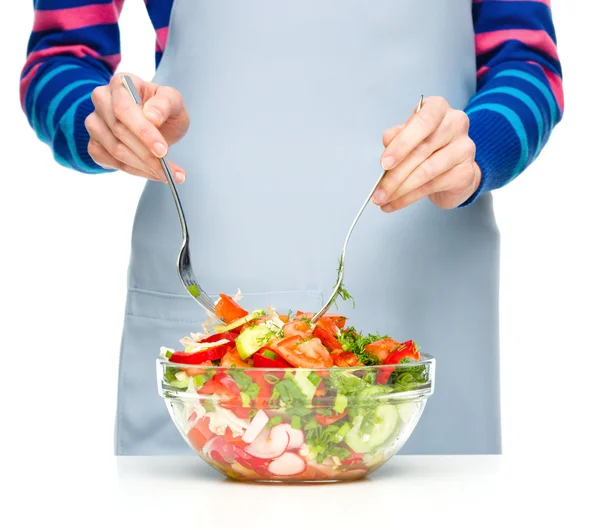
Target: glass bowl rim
<point>425,360</point>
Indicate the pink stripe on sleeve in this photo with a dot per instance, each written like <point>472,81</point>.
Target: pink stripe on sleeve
<point>536,38</point>
<point>545,2</point>
<point>76,17</point>
<point>161,38</point>
<point>556,85</point>
<point>482,71</point>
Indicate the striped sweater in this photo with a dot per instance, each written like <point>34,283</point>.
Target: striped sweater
<point>74,47</point>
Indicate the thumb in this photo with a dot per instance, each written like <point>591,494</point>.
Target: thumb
<point>165,104</point>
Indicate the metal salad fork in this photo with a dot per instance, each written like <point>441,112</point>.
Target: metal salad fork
<point>184,264</point>
<point>338,285</point>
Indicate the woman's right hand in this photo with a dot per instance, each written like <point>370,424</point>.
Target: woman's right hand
<point>131,138</point>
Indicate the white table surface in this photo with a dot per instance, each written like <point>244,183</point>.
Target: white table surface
<point>182,492</point>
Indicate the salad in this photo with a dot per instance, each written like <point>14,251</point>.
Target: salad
<point>266,396</point>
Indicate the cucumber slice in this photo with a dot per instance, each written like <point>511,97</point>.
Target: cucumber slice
<point>385,424</point>
<point>305,385</point>
<point>251,340</point>
<point>222,328</point>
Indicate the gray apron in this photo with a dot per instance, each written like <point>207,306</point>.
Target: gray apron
<point>288,102</point>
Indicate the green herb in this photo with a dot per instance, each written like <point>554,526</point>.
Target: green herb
<point>289,391</point>
<point>275,420</point>
<point>342,292</point>
<point>322,441</point>
<point>271,379</point>
<point>170,373</point>
<point>242,380</point>
<point>194,291</point>
<point>406,378</point>
<point>270,355</point>
<point>252,413</point>
<point>169,354</point>
<point>345,383</point>
<point>296,422</point>
<point>274,399</point>
<point>340,404</point>
<point>306,320</point>
<point>314,378</point>
<point>342,431</point>
<point>245,399</point>
<point>367,424</point>
<point>200,379</point>
<point>355,342</point>
<point>298,409</point>
<point>269,336</point>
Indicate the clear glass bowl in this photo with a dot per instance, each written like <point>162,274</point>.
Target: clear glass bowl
<point>294,424</point>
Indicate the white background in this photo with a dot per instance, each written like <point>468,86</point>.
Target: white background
<point>64,253</point>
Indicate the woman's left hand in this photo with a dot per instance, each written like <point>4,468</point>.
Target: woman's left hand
<point>429,156</point>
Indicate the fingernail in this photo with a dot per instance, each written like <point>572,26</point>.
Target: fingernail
<point>388,162</point>
<point>153,115</point>
<point>160,150</point>
<point>387,208</point>
<point>378,196</point>
<point>179,177</point>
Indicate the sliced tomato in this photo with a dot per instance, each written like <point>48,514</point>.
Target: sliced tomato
<point>297,328</point>
<point>199,434</point>
<point>232,358</point>
<point>228,310</point>
<point>284,318</point>
<point>382,348</point>
<point>321,390</point>
<point>328,420</point>
<point>260,361</point>
<point>338,320</point>
<point>346,359</point>
<point>229,438</point>
<point>327,338</point>
<point>328,325</point>
<point>221,384</point>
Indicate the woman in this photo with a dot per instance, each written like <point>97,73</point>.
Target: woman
<point>287,104</point>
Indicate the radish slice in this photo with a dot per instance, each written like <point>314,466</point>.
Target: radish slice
<point>257,425</point>
<point>267,446</point>
<point>287,465</point>
<point>296,436</point>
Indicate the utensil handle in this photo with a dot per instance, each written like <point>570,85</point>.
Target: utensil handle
<point>133,91</point>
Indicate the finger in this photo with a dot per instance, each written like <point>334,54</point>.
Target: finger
<point>448,129</point>
<point>390,134</point>
<point>127,139</point>
<point>418,127</point>
<point>438,163</point>
<point>101,133</point>
<point>166,103</point>
<point>440,185</point>
<point>129,114</point>
<point>104,159</point>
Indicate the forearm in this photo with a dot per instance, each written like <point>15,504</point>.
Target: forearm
<point>71,51</point>
<point>519,98</point>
